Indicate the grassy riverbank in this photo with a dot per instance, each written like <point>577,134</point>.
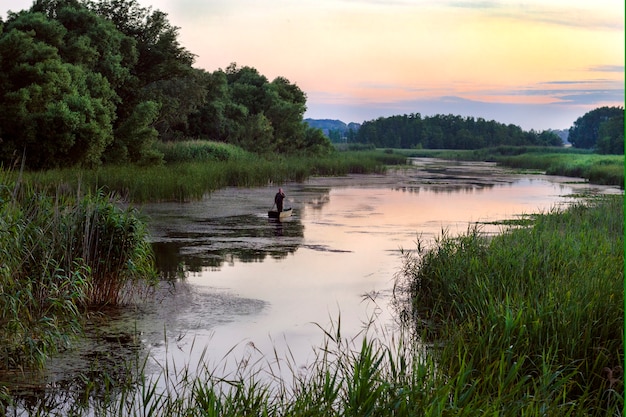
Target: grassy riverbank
<point>569,162</point>
<point>533,318</point>
<point>193,169</point>
<point>60,254</point>
<point>529,322</point>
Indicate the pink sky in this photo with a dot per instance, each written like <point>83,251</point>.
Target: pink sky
<point>536,64</point>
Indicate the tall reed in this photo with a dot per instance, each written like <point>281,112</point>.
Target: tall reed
<point>534,311</point>
<point>183,180</point>
<point>60,253</point>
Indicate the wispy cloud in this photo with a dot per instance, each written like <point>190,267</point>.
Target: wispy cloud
<point>485,5</point>
<point>577,14</point>
<point>607,68</point>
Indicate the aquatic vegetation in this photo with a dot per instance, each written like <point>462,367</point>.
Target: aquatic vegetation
<point>200,151</point>
<point>197,169</point>
<point>535,312</point>
<point>569,162</point>
<point>526,323</point>
<point>61,253</point>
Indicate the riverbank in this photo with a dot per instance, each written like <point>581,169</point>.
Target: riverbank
<point>194,169</point>
<point>535,314</point>
<point>191,172</point>
<point>568,162</point>
<point>529,322</point>
<point>62,254</point>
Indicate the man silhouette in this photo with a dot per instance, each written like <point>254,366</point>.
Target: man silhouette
<point>278,199</point>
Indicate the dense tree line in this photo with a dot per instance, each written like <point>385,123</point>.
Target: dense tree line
<point>83,82</point>
<point>448,132</point>
<point>601,129</point>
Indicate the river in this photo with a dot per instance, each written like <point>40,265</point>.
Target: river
<point>239,288</point>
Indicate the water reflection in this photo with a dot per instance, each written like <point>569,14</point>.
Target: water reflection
<point>213,242</point>
<point>231,276</point>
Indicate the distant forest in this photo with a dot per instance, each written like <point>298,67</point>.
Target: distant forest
<point>600,130</point>
<point>448,132</point>
<point>440,131</point>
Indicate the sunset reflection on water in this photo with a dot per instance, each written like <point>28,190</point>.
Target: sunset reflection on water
<point>342,245</point>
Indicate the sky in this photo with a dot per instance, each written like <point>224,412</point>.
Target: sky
<point>538,64</point>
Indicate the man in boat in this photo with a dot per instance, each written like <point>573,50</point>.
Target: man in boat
<point>278,199</point>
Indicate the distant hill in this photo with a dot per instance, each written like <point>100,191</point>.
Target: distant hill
<point>336,130</point>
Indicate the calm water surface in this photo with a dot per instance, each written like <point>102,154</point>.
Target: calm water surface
<point>240,287</point>
<point>255,286</point>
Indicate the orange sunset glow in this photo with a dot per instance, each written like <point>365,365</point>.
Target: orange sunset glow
<point>537,64</point>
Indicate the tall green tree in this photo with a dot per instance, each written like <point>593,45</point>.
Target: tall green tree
<point>162,73</point>
<point>261,116</point>
<point>53,111</point>
<point>586,129</point>
<point>286,104</point>
<point>209,120</point>
<point>611,136</point>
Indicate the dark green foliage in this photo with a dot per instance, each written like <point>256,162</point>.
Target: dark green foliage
<point>611,136</point>
<point>243,108</point>
<point>53,111</point>
<point>447,132</point>
<point>585,132</point>
<point>86,82</point>
<point>136,137</point>
<point>162,76</point>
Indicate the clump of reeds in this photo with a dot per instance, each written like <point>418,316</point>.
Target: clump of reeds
<point>59,254</point>
<point>534,314</point>
<point>597,169</point>
<point>196,172</point>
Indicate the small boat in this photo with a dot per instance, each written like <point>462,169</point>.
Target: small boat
<point>274,214</point>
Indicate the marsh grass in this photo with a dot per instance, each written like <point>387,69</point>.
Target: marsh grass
<point>188,178</point>
<point>200,151</point>
<point>375,373</point>
<point>354,376</point>
<point>569,162</point>
<point>61,253</point>
<point>534,312</point>
<point>529,322</point>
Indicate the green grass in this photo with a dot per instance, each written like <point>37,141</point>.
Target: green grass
<point>185,179</point>
<point>529,322</point>
<point>569,162</point>
<point>59,254</point>
<point>535,313</point>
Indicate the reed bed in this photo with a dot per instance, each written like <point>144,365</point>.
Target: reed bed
<point>185,180</point>
<point>200,151</point>
<point>59,254</point>
<point>569,162</point>
<point>534,315</point>
<point>595,168</point>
